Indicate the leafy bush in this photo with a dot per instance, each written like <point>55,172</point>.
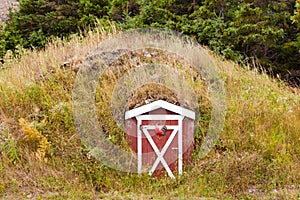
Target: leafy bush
<point>38,20</point>
<point>243,31</point>
<point>34,138</point>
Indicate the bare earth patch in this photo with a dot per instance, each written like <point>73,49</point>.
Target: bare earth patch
<point>4,8</point>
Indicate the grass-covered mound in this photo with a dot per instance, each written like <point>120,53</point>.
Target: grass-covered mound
<point>42,156</point>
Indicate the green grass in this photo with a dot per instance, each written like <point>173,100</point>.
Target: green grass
<point>257,156</point>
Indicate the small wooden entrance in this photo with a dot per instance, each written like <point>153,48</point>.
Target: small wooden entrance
<point>162,135</point>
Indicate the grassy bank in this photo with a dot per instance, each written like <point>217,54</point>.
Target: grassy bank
<point>42,157</point>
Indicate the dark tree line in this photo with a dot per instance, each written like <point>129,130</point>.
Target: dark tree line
<point>261,31</point>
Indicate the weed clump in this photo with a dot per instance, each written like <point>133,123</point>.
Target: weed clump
<point>34,139</point>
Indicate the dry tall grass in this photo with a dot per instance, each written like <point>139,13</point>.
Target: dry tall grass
<point>258,154</point>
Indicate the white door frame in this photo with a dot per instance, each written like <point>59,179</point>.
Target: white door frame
<point>144,129</point>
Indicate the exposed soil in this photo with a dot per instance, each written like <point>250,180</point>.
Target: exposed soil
<point>4,8</point>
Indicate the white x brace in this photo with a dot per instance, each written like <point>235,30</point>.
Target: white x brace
<point>144,129</point>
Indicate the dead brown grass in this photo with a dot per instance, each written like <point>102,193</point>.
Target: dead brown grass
<point>256,157</point>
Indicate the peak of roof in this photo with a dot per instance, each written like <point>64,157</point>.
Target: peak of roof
<point>159,104</point>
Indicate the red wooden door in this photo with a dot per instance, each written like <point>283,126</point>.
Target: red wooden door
<point>149,155</point>
<point>169,155</point>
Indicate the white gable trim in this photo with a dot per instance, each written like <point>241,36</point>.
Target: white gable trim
<point>159,104</point>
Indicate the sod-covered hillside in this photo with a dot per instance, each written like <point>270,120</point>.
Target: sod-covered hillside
<point>42,156</point>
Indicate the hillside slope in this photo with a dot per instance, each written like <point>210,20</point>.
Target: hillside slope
<point>42,156</point>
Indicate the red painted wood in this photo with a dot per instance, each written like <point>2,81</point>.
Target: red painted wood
<point>171,156</point>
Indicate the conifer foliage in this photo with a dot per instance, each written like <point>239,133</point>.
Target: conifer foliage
<point>262,32</point>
